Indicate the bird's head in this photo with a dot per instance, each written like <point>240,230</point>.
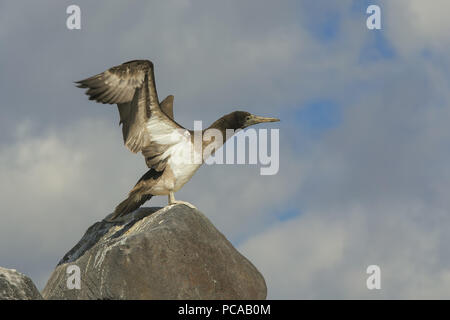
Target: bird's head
<point>239,120</point>
<point>245,119</point>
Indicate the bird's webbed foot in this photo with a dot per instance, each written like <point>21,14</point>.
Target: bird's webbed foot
<point>173,201</point>
<point>190,205</point>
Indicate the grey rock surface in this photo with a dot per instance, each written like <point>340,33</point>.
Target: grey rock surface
<point>157,253</point>
<point>17,286</point>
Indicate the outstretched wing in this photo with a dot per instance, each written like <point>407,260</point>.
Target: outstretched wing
<point>118,84</point>
<point>145,126</point>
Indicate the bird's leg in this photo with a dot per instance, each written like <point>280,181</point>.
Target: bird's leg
<point>173,201</point>
<point>171,197</point>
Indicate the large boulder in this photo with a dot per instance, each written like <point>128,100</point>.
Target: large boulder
<point>17,286</point>
<point>156,253</point>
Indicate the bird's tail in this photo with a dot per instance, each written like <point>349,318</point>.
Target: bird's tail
<point>135,199</point>
<point>138,195</point>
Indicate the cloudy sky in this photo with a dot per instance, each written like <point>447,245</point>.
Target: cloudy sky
<point>364,137</point>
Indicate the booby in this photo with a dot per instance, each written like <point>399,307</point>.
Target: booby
<point>148,126</point>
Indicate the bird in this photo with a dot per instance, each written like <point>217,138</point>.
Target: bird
<point>149,127</point>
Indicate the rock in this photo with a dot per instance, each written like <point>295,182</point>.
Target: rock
<point>156,253</point>
<point>17,286</point>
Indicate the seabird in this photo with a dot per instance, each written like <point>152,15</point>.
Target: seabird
<point>148,126</point>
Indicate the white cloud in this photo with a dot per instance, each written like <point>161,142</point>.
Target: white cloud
<point>325,254</point>
<point>415,25</point>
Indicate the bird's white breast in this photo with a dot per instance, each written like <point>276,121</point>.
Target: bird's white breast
<point>181,161</point>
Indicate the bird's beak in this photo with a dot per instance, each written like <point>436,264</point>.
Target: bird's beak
<point>256,119</point>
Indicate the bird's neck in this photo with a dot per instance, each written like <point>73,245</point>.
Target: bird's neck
<point>222,124</point>
<point>210,139</point>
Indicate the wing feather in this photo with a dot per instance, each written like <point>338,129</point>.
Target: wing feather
<point>146,127</point>
<point>118,84</point>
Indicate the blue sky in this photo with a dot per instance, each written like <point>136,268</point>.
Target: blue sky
<point>364,133</point>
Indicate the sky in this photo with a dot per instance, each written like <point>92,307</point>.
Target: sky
<point>364,138</point>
